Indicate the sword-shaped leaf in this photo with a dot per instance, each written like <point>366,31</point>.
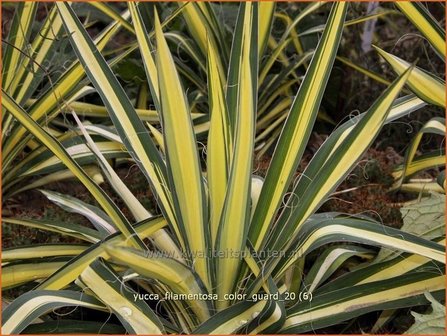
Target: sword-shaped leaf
<point>330,308</point>
<point>427,86</point>
<point>53,145</point>
<point>182,159</point>
<point>29,306</point>
<point>135,315</point>
<point>297,128</point>
<point>236,210</point>
<point>426,24</point>
<point>130,128</point>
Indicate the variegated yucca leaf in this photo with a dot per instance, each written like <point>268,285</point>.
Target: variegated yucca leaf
<point>288,36</point>
<point>339,160</point>
<point>49,250</point>
<point>135,315</point>
<point>182,159</point>
<point>426,24</point>
<point>104,200</point>
<point>193,129</point>
<point>86,327</point>
<point>126,121</point>
<point>63,90</point>
<point>48,105</point>
<point>395,266</point>
<point>427,86</point>
<point>297,128</point>
<point>71,270</point>
<point>329,261</point>
<point>41,161</point>
<point>323,229</point>
<point>161,239</point>
<point>41,49</point>
<point>220,145</point>
<point>93,171</point>
<point>31,305</point>
<point>68,229</point>
<point>16,274</point>
<point>266,15</point>
<point>412,163</point>
<point>146,53</point>
<point>113,14</point>
<point>179,278</point>
<point>96,216</point>
<point>19,35</point>
<point>355,300</point>
<point>235,213</point>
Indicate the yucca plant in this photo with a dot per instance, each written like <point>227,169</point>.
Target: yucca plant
<point>227,253</point>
